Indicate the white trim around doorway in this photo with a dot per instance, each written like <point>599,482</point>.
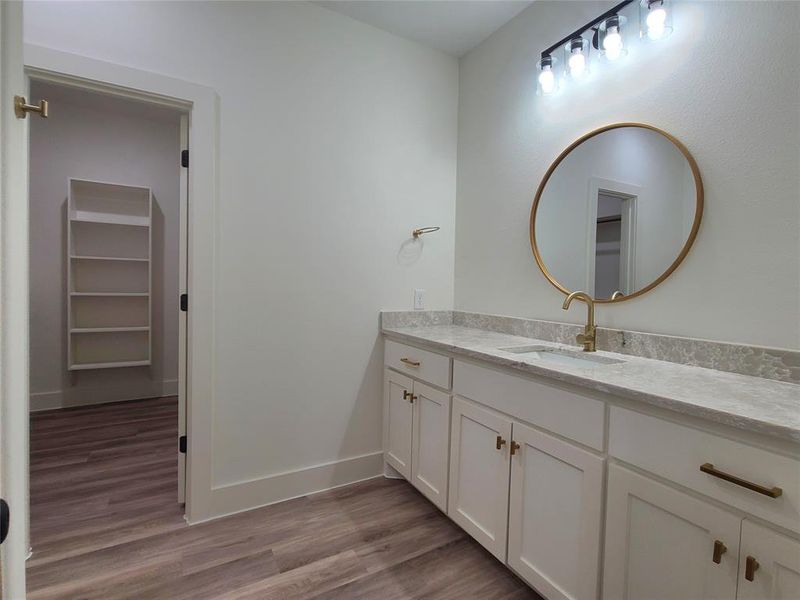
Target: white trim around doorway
<point>202,104</point>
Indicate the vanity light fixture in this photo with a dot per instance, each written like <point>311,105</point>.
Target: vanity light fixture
<point>578,61</point>
<point>655,19</point>
<point>547,78</point>
<point>607,35</point>
<point>611,33</point>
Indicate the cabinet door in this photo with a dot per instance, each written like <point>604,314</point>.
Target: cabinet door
<point>430,443</point>
<point>397,420</point>
<point>778,558</point>
<point>479,474</point>
<point>555,515</point>
<point>660,543</point>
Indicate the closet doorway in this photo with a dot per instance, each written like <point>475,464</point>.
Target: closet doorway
<point>108,198</point>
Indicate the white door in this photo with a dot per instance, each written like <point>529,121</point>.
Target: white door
<point>555,515</point>
<point>430,443</point>
<point>769,565</point>
<point>662,544</point>
<point>14,304</point>
<point>397,421</point>
<point>479,473</point>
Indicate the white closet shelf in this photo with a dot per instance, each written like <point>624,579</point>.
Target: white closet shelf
<point>85,216</point>
<point>109,236</point>
<point>112,294</point>
<point>109,365</point>
<point>122,258</point>
<point>106,329</point>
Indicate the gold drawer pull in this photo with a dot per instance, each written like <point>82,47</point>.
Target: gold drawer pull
<point>514,447</point>
<point>750,567</point>
<point>772,492</point>
<point>500,442</point>
<point>719,550</point>
<point>409,362</point>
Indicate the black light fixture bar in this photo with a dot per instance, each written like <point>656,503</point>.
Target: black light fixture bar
<point>609,13</point>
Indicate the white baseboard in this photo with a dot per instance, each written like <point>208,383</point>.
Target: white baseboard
<point>247,495</point>
<point>102,395</point>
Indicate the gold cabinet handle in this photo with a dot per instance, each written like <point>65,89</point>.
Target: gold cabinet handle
<point>500,442</point>
<point>410,362</point>
<point>514,447</point>
<point>22,108</point>
<point>750,567</point>
<point>407,395</point>
<point>772,492</point>
<point>719,550</point>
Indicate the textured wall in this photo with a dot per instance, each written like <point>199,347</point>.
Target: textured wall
<point>336,140</point>
<point>724,86</point>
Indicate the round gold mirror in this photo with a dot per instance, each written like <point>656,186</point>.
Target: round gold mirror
<point>617,212</point>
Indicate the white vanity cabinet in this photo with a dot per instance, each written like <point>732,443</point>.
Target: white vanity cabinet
<point>571,487</point>
<point>662,544</point>
<point>430,443</point>
<point>555,515</point>
<point>416,423</point>
<point>398,418</point>
<point>769,565</point>
<point>479,474</point>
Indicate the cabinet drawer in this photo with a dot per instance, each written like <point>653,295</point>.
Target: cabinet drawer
<point>677,452</point>
<point>564,412</point>
<point>422,364</point>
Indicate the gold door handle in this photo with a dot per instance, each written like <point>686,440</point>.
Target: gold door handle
<point>410,362</point>
<point>772,492</point>
<point>22,108</point>
<point>514,447</point>
<point>407,394</point>
<point>750,567</point>
<point>719,550</point>
<point>500,442</point>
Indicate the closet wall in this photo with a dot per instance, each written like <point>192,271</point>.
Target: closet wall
<point>96,137</point>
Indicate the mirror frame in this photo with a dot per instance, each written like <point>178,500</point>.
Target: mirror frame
<point>698,215</point>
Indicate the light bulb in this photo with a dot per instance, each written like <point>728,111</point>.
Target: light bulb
<point>577,63</point>
<point>656,23</point>
<point>547,80</point>
<point>612,43</point>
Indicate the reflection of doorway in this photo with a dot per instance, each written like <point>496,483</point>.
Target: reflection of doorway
<point>611,251</point>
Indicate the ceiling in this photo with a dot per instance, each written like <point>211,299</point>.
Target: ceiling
<point>452,26</point>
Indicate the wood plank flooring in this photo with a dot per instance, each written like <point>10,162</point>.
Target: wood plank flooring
<point>105,524</point>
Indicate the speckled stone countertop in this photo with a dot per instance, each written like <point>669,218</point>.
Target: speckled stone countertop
<point>750,403</point>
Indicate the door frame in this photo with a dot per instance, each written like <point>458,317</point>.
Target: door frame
<point>629,194</point>
<point>14,307</point>
<point>202,105</point>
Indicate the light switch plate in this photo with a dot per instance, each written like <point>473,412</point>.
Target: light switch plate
<point>419,299</point>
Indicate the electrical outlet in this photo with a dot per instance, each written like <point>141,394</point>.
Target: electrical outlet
<point>419,299</point>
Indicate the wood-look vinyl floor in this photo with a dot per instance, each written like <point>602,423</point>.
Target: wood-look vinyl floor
<point>105,524</point>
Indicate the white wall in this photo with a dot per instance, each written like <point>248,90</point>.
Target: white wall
<point>336,140</point>
<point>89,136</point>
<point>722,85</point>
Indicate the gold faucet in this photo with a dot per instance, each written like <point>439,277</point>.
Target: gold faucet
<point>587,338</point>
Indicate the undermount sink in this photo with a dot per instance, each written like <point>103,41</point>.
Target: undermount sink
<point>564,357</point>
